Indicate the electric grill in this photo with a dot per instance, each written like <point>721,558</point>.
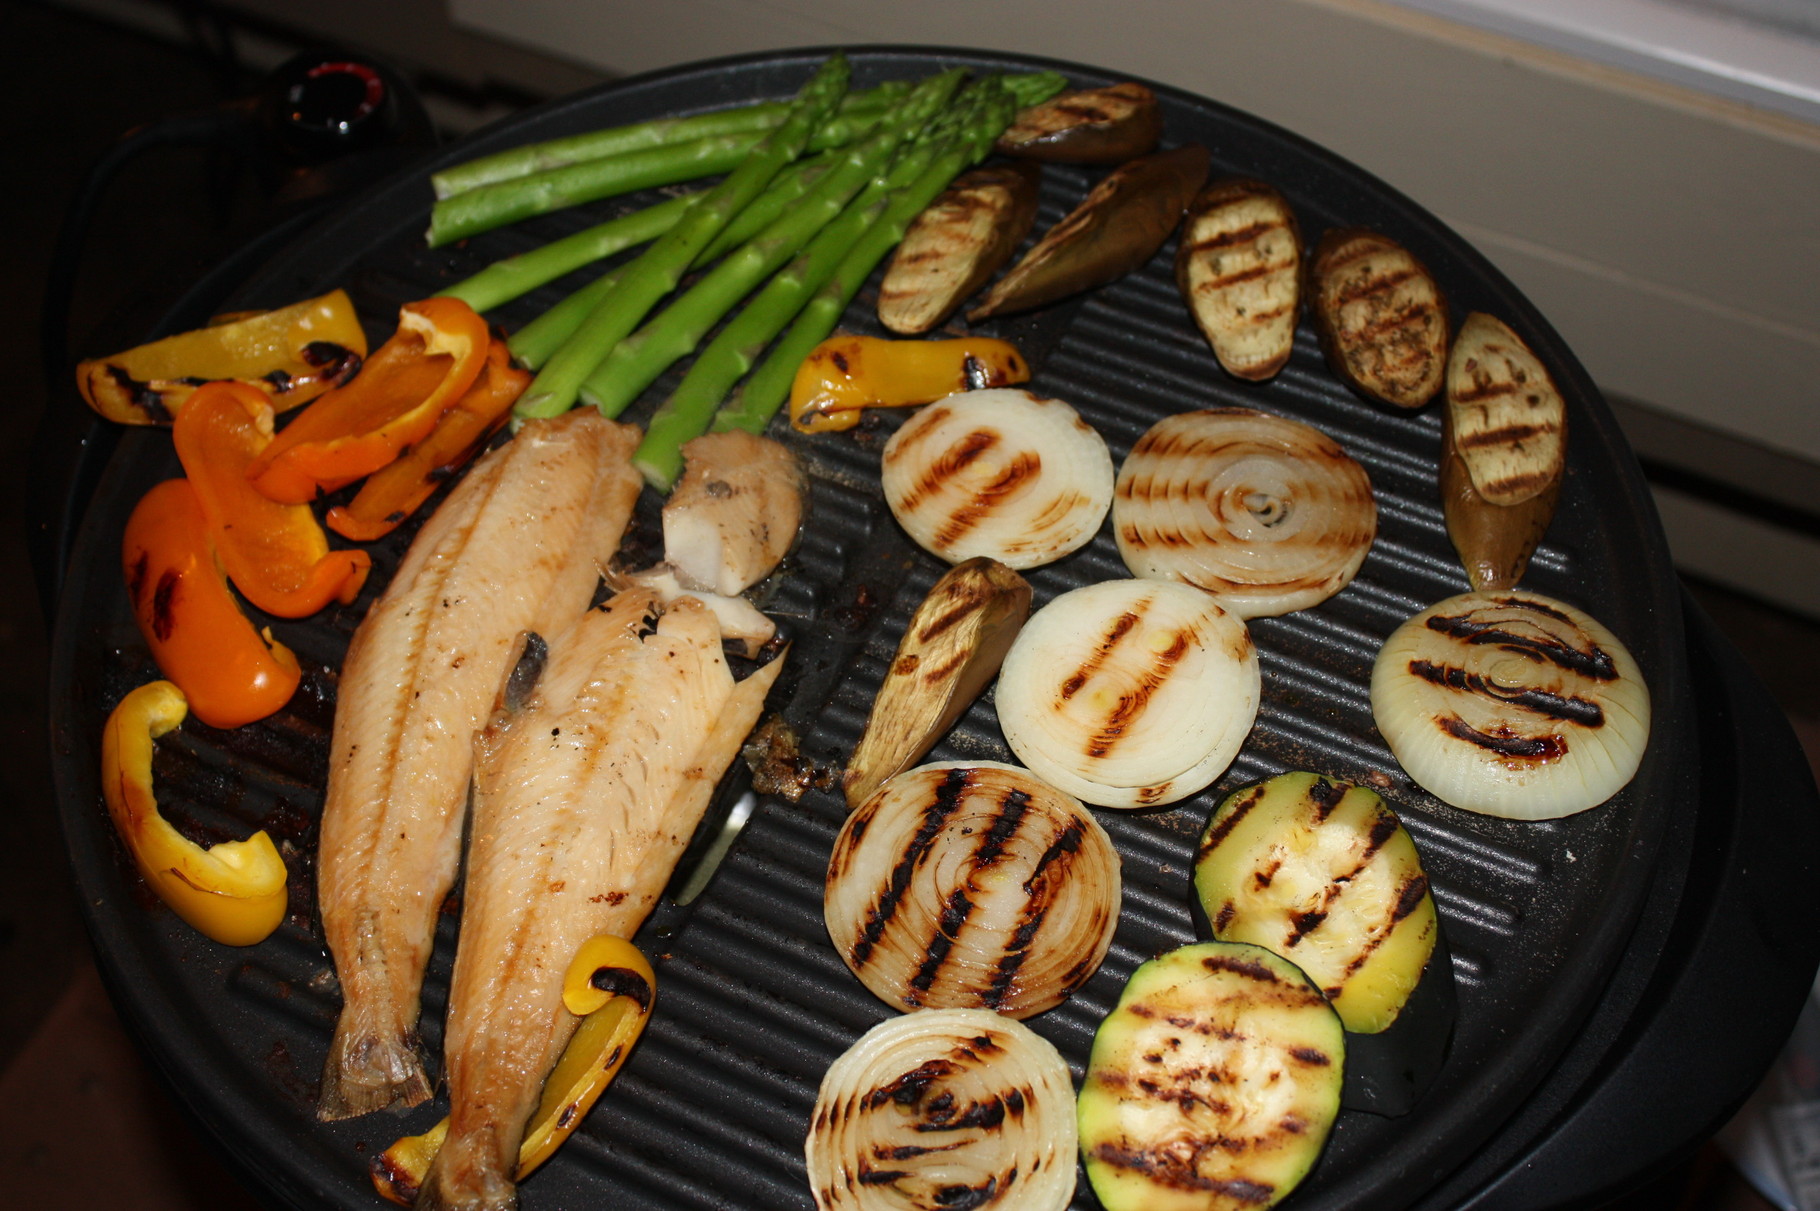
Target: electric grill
<point>1623,977</point>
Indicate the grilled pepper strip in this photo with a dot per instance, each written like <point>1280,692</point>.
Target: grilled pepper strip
<point>233,891</point>
<point>394,402</point>
<point>845,374</point>
<point>394,492</point>
<point>611,985</point>
<point>276,555</point>
<point>293,354</point>
<point>230,673</point>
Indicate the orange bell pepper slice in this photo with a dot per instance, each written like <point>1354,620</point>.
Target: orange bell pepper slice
<point>394,492</point>
<point>233,891</point>
<point>276,554</point>
<point>408,382</point>
<point>846,374</point>
<point>230,672</point>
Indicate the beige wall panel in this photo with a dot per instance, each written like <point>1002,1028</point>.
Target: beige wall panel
<point>1675,242</point>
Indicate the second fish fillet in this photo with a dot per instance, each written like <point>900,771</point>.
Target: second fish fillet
<point>517,547</point>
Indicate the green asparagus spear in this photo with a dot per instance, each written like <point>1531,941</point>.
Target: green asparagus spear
<point>656,271</point>
<point>737,346</point>
<point>536,341</point>
<point>503,281</point>
<point>637,360</point>
<point>662,132</point>
<point>489,206</point>
<point>769,386</point>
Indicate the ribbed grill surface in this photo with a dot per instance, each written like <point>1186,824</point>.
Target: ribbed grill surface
<point>753,1002</point>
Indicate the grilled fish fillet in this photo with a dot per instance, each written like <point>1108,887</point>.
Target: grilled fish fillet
<point>583,802</point>
<point>734,513</point>
<point>517,547</point>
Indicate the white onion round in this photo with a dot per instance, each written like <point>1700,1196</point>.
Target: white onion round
<point>944,1108</point>
<point>1129,693</point>
<point>972,885</point>
<point>1001,473</point>
<point>1268,514</point>
<point>1512,704</point>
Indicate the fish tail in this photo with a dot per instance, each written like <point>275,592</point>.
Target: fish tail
<point>370,1069</point>
<point>469,1174</point>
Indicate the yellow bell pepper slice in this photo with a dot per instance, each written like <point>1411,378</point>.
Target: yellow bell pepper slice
<point>293,354</point>
<point>846,374</point>
<point>233,891</point>
<point>612,987</point>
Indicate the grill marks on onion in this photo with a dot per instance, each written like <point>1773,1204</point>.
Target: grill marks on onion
<point>972,885</point>
<point>1267,514</point>
<point>1000,473</point>
<point>1129,693</point>
<point>944,1109</point>
<point>1512,704</point>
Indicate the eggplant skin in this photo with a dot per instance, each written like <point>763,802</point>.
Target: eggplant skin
<point>956,244</point>
<point>1380,316</point>
<point>1090,126</point>
<point>1116,229</point>
<point>1494,541</point>
<point>1239,267</point>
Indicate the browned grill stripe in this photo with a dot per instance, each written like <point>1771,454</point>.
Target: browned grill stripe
<point>1021,470</point>
<point>1230,820</point>
<point>1504,742</point>
<point>1121,626</point>
<point>1416,314</point>
<point>948,796</point>
<point>1596,664</point>
<point>1507,435</point>
<point>1012,809</point>
<point>1366,286</point>
<point>1132,703</point>
<point>1030,918</point>
<point>1237,276</point>
<point>1238,235</point>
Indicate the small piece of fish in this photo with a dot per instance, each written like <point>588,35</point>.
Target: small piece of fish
<point>734,513</point>
<point>584,800</point>
<point>517,547</point>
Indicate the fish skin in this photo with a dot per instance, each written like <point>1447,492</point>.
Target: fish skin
<point>517,547</point>
<point>735,512</point>
<point>581,811</point>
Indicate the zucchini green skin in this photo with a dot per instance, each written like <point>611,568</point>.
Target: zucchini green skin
<point>1323,873</point>
<point>1213,1085</point>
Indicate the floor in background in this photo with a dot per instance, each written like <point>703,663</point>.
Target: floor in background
<point>71,1088</point>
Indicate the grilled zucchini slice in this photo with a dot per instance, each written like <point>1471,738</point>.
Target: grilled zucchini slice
<point>1213,1084</point>
<point>1324,874</point>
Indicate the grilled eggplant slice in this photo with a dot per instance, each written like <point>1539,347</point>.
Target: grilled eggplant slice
<point>1324,874</point>
<point>1119,226</point>
<point>1213,1085</point>
<point>1090,126</point>
<point>1503,451</point>
<point>953,646</point>
<point>1381,318</point>
<point>1239,267</point>
<point>958,242</point>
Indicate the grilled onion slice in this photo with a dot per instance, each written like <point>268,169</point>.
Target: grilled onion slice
<point>1267,514</point>
<point>1512,704</point>
<point>972,885</point>
<point>1129,693</point>
<point>940,1109</point>
<point>1002,473</point>
<point>1213,1084</point>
